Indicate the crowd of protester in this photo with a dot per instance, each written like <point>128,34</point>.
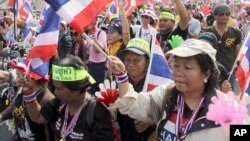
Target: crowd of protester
<point>57,108</point>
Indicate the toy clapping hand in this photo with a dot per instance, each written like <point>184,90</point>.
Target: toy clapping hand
<point>175,41</point>
<point>108,93</point>
<point>225,110</point>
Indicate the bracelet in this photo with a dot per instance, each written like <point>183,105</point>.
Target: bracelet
<point>30,98</point>
<point>121,78</point>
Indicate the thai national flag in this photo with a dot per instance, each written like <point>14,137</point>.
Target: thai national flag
<point>45,44</point>
<point>25,9</point>
<point>243,71</point>
<point>158,70</point>
<point>30,22</point>
<point>43,12</point>
<point>78,13</point>
<point>113,9</point>
<point>129,7</point>
<point>26,12</point>
<point>37,70</point>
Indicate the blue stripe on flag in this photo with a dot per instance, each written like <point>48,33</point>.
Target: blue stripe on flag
<point>57,4</point>
<point>159,67</point>
<point>248,89</point>
<point>247,44</point>
<point>49,24</point>
<point>41,70</point>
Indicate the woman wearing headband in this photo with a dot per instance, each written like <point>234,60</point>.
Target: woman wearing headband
<point>69,109</point>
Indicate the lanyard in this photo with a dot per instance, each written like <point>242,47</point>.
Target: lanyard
<point>65,131</point>
<point>181,130</point>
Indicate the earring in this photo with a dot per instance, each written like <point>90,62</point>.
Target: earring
<point>205,80</point>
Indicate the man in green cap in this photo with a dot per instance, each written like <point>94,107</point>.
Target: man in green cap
<point>229,39</point>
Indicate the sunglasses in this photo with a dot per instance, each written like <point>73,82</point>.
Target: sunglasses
<point>223,14</point>
<point>146,17</point>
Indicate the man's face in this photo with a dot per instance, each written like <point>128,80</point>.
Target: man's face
<point>222,17</point>
<point>165,24</point>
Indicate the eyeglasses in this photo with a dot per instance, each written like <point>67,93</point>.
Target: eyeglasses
<point>146,17</point>
<point>223,14</point>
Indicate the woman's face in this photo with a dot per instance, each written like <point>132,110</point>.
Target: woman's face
<point>135,64</point>
<point>113,37</point>
<point>187,75</point>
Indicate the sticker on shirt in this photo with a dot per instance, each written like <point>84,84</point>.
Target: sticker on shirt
<point>76,135</point>
<point>230,42</point>
<point>168,132</point>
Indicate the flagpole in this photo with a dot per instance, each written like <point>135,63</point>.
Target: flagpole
<point>234,65</point>
<point>15,8</point>
<point>96,45</point>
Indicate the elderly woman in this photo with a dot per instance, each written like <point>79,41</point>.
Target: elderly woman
<point>69,109</point>
<point>184,103</point>
<point>136,60</point>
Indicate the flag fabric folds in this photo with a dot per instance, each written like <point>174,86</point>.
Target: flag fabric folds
<point>43,12</point>
<point>158,70</point>
<point>243,71</point>
<point>45,44</point>
<point>38,69</point>
<point>78,13</point>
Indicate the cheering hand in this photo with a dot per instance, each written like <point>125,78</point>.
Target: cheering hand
<point>175,41</point>
<point>225,111</point>
<point>108,93</point>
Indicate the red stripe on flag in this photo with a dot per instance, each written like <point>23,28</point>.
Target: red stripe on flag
<point>23,12</point>
<point>45,52</point>
<point>11,3</point>
<point>241,78</point>
<point>151,87</point>
<point>88,15</point>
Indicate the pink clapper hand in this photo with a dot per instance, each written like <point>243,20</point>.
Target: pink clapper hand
<point>225,110</point>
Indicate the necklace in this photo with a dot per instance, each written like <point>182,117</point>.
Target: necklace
<point>181,128</point>
<point>68,129</point>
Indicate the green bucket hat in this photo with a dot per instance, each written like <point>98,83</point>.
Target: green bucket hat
<point>139,46</point>
<point>221,7</point>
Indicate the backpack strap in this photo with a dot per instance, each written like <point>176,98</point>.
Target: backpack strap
<point>90,112</point>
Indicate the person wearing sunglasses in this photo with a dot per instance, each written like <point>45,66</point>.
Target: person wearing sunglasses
<point>228,40</point>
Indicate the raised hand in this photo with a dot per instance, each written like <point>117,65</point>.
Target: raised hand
<point>108,93</point>
<point>225,110</point>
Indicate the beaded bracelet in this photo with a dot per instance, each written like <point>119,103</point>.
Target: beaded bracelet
<point>121,78</point>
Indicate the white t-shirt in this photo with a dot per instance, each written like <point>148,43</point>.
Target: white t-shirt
<point>146,34</point>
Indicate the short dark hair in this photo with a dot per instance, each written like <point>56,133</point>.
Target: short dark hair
<point>76,63</point>
<point>206,63</point>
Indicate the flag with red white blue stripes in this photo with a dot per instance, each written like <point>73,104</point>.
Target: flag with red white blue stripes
<point>78,13</point>
<point>158,70</point>
<point>45,44</point>
<point>243,71</point>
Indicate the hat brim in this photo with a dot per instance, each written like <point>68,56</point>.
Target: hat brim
<point>135,50</point>
<point>110,29</point>
<point>184,52</point>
